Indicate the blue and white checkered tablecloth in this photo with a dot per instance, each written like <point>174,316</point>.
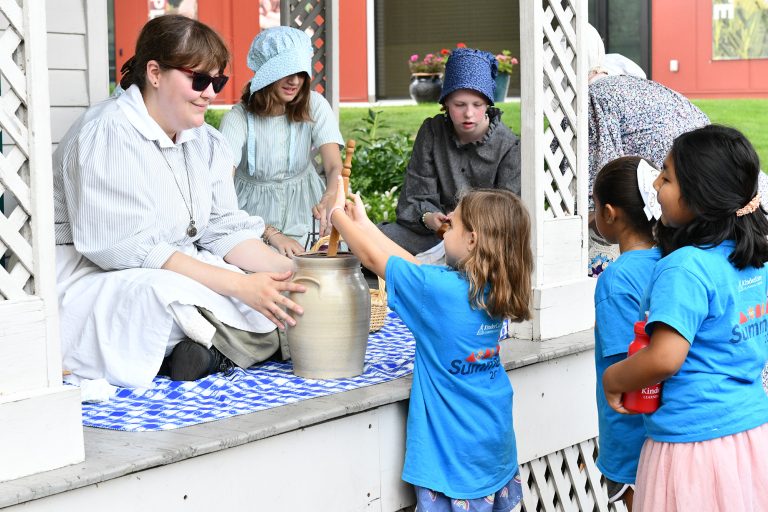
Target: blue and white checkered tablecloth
<point>172,404</point>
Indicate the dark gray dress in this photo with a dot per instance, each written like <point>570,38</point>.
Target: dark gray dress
<point>441,168</point>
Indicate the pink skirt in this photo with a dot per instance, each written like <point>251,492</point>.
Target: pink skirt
<point>725,474</point>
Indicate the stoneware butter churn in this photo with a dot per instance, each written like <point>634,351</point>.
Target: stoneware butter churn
<point>329,340</point>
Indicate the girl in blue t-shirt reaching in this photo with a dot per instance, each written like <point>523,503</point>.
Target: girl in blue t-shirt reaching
<point>460,448</point>
<point>708,322</point>
<point>626,211</point>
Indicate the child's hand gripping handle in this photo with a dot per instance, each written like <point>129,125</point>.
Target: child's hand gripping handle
<point>333,244</point>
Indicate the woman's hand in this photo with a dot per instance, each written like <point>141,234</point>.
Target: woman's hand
<point>263,292</point>
<point>321,209</point>
<point>433,220</point>
<point>285,245</point>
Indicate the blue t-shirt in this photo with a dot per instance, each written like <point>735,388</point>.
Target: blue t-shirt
<point>721,311</point>
<point>460,439</point>
<point>619,293</point>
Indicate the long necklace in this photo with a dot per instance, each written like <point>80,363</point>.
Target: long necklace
<point>191,229</point>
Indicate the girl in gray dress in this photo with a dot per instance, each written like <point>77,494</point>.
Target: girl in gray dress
<point>468,146</point>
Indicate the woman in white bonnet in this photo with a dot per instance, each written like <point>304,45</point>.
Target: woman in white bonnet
<point>628,115</point>
<point>272,132</point>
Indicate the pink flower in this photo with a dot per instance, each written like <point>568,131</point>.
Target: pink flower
<point>514,61</point>
<point>414,57</point>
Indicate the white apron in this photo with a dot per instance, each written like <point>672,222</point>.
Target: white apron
<point>117,325</point>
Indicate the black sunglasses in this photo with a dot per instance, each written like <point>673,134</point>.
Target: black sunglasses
<point>201,81</point>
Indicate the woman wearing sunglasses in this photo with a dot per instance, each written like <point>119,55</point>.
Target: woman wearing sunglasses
<point>272,132</point>
<point>151,246</point>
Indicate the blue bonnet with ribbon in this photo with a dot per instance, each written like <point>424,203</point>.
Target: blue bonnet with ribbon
<point>472,69</point>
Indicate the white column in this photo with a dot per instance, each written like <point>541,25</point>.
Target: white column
<point>554,183</point>
<point>40,420</point>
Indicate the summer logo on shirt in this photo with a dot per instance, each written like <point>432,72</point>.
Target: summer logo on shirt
<point>483,354</point>
<point>753,322</point>
<point>481,360</point>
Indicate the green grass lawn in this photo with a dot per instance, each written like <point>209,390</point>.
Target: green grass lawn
<point>409,118</point>
<point>748,115</point>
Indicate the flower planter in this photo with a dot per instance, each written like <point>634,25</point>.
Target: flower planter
<point>425,87</point>
<point>502,84</point>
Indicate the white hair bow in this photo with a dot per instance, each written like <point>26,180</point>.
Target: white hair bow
<point>646,175</point>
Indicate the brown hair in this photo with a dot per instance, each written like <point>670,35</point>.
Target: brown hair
<point>174,41</point>
<point>502,257</point>
<point>263,101</point>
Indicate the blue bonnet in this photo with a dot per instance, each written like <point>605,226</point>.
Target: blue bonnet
<point>278,52</point>
<point>468,68</point>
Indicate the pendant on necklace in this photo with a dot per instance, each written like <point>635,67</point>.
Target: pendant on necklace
<point>191,229</point>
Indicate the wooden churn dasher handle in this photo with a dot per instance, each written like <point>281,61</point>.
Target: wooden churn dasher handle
<point>333,244</point>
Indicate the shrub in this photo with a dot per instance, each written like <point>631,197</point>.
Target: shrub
<point>378,167</point>
<point>382,206</point>
<point>213,116</point>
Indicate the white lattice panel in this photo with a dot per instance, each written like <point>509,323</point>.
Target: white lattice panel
<point>554,161</point>
<point>561,85</point>
<point>15,241</point>
<point>26,224</point>
<point>566,481</point>
<point>40,420</point>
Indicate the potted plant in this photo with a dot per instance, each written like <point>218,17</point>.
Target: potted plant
<point>506,63</point>
<point>427,75</point>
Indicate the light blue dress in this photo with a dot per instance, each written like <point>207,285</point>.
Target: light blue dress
<point>275,176</point>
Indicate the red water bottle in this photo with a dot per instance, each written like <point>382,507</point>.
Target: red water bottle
<point>644,400</point>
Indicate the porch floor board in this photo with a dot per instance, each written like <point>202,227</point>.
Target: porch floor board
<point>111,454</point>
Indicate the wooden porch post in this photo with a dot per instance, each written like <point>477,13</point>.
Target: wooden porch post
<point>554,162</point>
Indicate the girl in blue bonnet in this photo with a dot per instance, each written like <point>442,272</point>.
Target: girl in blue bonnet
<point>460,448</point>
<point>466,147</point>
<point>626,211</point>
<point>272,132</point>
<point>708,440</point>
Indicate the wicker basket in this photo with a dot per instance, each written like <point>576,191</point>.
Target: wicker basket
<point>378,297</point>
<point>378,307</point>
